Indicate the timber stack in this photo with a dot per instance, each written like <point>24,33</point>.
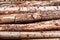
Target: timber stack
<point>30,19</point>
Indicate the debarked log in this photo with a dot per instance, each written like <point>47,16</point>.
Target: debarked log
<point>39,3</point>
<point>31,9</point>
<point>43,39</point>
<point>29,17</point>
<point>22,0</point>
<point>39,26</point>
<point>43,34</point>
<point>33,3</point>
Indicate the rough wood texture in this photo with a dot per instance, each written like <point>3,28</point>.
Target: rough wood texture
<point>29,17</point>
<point>33,3</point>
<point>43,34</point>
<point>43,39</point>
<point>12,10</point>
<point>48,25</point>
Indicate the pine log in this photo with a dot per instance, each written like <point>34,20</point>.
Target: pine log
<point>43,34</point>
<point>33,9</point>
<point>29,17</point>
<point>43,39</point>
<point>33,3</point>
<point>39,26</point>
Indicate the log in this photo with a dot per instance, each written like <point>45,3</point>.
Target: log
<point>26,0</point>
<point>43,34</point>
<point>43,39</point>
<point>29,17</point>
<point>40,3</point>
<point>33,3</point>
<point>33,9</point>
<point>39,26</point>
<point>21,0</point>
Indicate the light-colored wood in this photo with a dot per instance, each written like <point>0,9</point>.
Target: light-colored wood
<point>39,26</point>
<point>42,34</point>
<point>43,39</point>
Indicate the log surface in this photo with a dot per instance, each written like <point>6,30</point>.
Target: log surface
<point>28,9</point>
<point>29,17</point>
<point>43,39</point>
<point>34,3</point>
<point>31,2</point>
<point>43,34</point>
<point>39,26</point>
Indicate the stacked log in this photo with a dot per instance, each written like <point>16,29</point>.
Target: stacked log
<point>43,34</point>
<point>29,9</point>
<point>25,19</point>
<point>39,26</point>
<point>45,14</point>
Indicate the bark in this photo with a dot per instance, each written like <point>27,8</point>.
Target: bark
<point>39,26</point>
<point>33,3</point>
<point>29,17</point>
<point>43,34</point>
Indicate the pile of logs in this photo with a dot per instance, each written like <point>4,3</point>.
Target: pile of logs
<point>30,19</point>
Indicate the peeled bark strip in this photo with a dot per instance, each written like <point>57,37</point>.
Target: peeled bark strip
<point>39,26</point>
<point>43,34</point>
<point>29,17</point>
